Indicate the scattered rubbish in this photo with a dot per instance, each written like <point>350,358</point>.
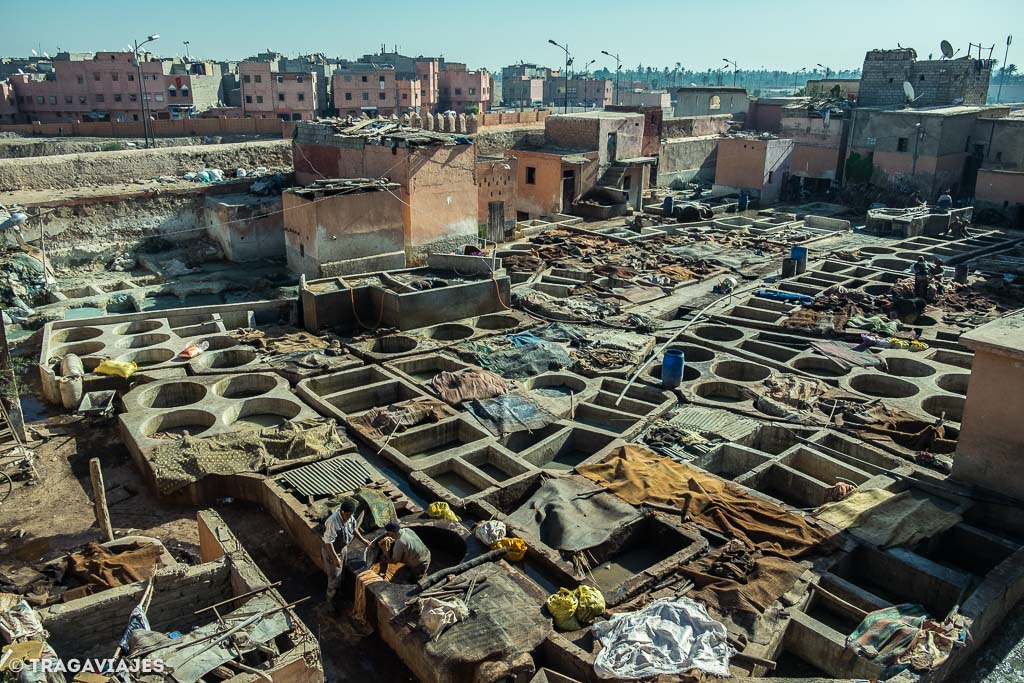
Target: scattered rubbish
<point>193,350</point>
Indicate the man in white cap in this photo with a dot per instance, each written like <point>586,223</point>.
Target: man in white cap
<point>341,526</point>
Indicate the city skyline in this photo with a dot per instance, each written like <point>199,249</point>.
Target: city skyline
<point>805,38</point>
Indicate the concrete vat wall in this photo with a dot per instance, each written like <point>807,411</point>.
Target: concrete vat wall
<point>247,228</point>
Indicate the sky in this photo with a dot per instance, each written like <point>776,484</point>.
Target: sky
<point>785,35</point>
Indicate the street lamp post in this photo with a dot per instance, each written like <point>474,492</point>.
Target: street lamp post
<point>586,82</point>
<point>565,101</point>
<point>618,67</point>
<point>142,87</point>
<point>186,43</point>
<point>796,79</point>
<point>1006,54</point>
<point>734,68</point>
<point>828,71</point>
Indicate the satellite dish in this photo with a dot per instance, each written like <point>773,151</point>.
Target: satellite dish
<point>34,53</point>
<point>908,90</point>
<point>46,54</point>
<point>947,49</point>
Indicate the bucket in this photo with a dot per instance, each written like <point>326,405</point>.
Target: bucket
<point>799,254</point>
<point>789,266</point>
<point>741,205</point>
<point>672,368</point>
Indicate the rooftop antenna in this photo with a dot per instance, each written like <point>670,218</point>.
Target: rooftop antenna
<point>947,49</point>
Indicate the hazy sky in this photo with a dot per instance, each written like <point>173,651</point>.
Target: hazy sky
<point>786,34</point>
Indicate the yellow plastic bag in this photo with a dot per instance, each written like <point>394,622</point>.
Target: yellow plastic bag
<point>441,510</point>
<point>562,606</point>
<point>916,345</point>
<point>590,604</point>
<point>117,368</point>
<point>516,548</point>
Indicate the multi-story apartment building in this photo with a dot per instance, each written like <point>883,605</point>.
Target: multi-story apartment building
<point>522,85</point>
<point>8,103</point>
<point>267,93</point>
<point>375,90</point>
<point>317,63</point>
<point>463,90</point>
<point>582,92</point>
<point>106,87</point>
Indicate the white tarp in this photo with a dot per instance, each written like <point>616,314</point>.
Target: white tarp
<point>666,637</point>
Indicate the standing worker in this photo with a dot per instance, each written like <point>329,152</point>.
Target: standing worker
<point>945,201</point>
<point>922,274</point>
<point>403,546</point>
<point>342,525</point>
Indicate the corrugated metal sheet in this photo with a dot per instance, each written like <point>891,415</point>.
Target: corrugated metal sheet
<point>340,474</point>
<point>708,421</point>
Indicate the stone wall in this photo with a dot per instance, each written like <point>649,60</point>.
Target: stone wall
<point>65,172</point>
<point>684,159</point>
<point>935,82</point>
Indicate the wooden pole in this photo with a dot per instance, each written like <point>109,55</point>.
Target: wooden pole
<point>99,497</point>
<point>9,383</point>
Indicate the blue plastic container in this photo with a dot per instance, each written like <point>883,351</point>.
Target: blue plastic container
<point>668,205</point>
<point>672,368</point>
<point>741,205</point>
<point>799,254</point>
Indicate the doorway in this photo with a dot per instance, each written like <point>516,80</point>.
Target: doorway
<point>496,221</point>
<point>611,146</point>
<point>568,190</point>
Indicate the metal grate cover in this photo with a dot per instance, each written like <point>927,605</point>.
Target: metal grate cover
<point>340,474</point>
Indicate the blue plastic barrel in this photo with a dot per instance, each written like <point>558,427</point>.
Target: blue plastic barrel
<point>799,254</point>
<point>742,204</point>
<point>668,205</point>
<point>672,368</point>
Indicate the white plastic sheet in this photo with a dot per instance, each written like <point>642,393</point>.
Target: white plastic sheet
<point>666,637</point>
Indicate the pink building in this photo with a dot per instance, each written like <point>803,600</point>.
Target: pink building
<point>462,89</point>
<point>373,90</point>
<point>105,86</point>
<point>267,93</point>
<point>428,72</point>
<point>8,103</point>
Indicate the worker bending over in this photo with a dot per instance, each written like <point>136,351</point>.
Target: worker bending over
<point>341,526</point>
<point>403,546</point>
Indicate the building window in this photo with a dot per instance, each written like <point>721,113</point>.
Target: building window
<point>715,102</point>
<point>81,80</point>
<point>366,96</point>
<point>902,144</point>
<point>922,77</point>
<point>472,91</point>
<point>99,98</point>
<point>184,92</point>
<point>68,99</point>
<point>159,98</point>
<point>444,91</point>
<point>96,77</point>
<point>380,78</point>
<point>458,91</point>
<point>154,77</point>
<point>115,76</point>
<point>423,93</point>
<point>348,96</point>
<point>246,78</point>
<point>53,99</point>
<point>771,177</point>
<point>298,79</point>
<point>133,98</point>
<point>302,97</point>
<point>890,80</point>
<point>999,156</point>
<point>248,99</point>
<point>280,97</point>
<point>405,96</point>
<point>531,175</point>
<point>280,79</point>
<point>364,79</point>
<point>117,98</point>
<point>131,77</point>
<point>259,99</point>
<point>259,79</point>
<point>382,96</point>
<point>171,92</point>
<point>82,99</point>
